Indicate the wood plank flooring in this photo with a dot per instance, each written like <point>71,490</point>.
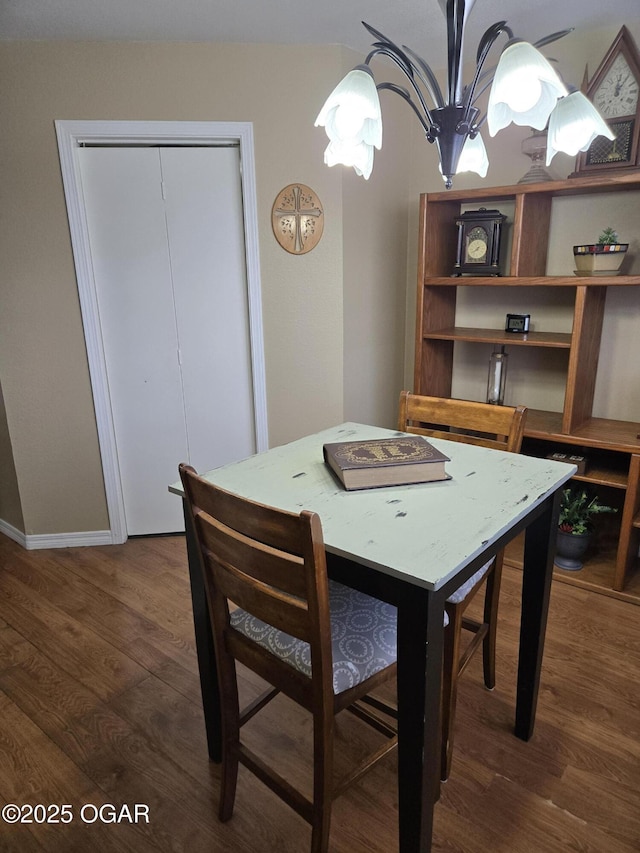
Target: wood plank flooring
<point>99,704</point>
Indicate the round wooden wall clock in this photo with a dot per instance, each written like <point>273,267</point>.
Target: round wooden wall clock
<point>297,219</point>
<point>614,91</point>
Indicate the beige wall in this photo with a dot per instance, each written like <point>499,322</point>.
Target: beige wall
<point>375,214</point>
<point>10,508</point>
<point>43,365</point>
<point>338,322</point>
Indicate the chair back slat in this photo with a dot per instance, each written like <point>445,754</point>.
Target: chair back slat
<point>462,437</point>
<point>261,562</point>
<point>255,577</point>
<point>499,427</point>
<point>280,530</point>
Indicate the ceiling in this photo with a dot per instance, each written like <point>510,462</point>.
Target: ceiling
<point>418,23</point>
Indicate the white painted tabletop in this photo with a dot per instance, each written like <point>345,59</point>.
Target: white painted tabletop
<point>424,533</point>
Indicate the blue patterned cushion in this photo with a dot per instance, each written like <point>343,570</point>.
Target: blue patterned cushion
<point>363,637</point>
<point>463,591</point>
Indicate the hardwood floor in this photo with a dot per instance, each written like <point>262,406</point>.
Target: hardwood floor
<point>99,704</point>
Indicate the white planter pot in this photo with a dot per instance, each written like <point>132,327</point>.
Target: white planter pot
<point>599,258</point>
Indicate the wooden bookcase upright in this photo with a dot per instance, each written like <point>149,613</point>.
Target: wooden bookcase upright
<point>612,446</point>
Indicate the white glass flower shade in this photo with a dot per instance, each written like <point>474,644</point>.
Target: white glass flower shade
<point>474,157</point>
<point>573,126</point>
<point>352,119</point>
<point>359,155</point>
<point>525,89</point>
<point>352,111</point>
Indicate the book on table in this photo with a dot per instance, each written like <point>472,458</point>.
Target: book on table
<point>397,461</point>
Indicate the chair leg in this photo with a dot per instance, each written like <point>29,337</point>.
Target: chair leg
<point>230,741</point>
<point>450,664</point>
<point>322,781</point>
<point>491,601</point>
<point>228,781</point>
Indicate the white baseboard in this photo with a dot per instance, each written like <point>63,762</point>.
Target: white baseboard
<point>56,540</point>
<point>13,533</point>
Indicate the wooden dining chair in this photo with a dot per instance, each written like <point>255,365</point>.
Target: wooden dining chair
<point>499,427</point>
<point>273,609</point>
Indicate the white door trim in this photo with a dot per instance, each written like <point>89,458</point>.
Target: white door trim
<point>71,135</point>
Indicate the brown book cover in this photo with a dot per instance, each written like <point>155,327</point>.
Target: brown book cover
<point>396,461</point>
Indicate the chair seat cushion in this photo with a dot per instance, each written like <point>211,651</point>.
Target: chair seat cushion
<point>463,591</point>
<point>363,637</point>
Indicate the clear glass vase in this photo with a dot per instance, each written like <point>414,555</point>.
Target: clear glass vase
<point>497,378</point>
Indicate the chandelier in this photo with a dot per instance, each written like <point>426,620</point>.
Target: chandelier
<point>525,90</point>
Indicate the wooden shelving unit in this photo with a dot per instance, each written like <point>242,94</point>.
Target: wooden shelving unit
<point>611,446</point>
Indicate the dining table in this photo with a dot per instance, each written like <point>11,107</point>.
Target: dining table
<point>411,546</point>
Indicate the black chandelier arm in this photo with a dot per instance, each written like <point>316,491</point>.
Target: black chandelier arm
<point>410,63</point>
<point>484,46</point>
<point>394,52</point>
<point>379,36</point>
<point>553,37</point>
<point>407,70</point>
<point>410,69</point>
<point>477,126</point>
<point>426,75</point>
<point>383,43</point>
<point>405,95</point>
<point>487,41</point>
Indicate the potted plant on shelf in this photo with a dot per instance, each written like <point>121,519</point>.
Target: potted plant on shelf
<point>575,526</point>
<point>602,258</point>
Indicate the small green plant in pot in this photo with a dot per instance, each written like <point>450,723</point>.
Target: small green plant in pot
<point>608,237</point>
<point>601,258</point>
<point>575,526</point>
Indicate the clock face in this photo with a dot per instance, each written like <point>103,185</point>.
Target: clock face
<point>617,95</point>
<point>477,244</point>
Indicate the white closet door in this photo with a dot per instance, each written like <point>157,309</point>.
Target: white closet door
<point>128,235</point>
<point>206,238</point>
<point>171,291</point>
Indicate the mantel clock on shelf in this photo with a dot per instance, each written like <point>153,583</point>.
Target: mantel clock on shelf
<point>614,90</point>
<point>478,245</point>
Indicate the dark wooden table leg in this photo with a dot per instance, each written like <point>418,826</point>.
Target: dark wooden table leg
<point>204,646</point>
<point>539,551</point>
<point>420,629</point>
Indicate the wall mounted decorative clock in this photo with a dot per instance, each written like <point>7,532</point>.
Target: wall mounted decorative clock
<point>297,219</point>
<point>615,92</point>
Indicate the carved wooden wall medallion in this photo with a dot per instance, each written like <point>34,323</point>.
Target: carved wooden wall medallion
<point>297,219</point>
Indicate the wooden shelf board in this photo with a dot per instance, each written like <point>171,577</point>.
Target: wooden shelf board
<point>603,468</point>
<point>603,433</point>
<point>603,477</point>
<point>532,281</point>
<point>595,576</point>
<point>499,336</point>
<point>636,521</point>
<point>571,186</point>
